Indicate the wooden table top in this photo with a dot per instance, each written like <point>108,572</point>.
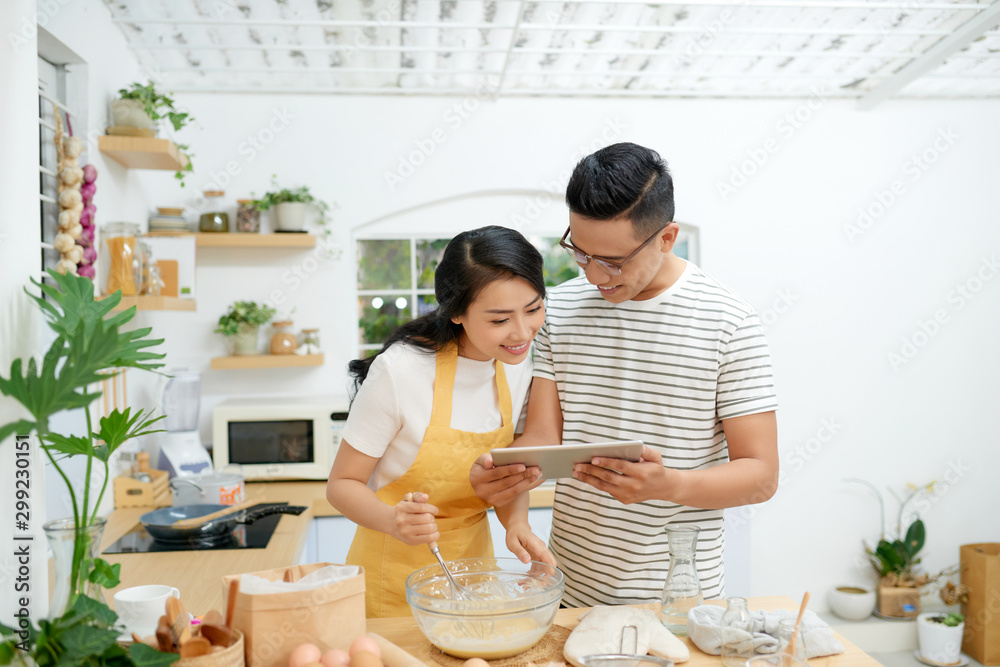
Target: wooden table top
<point>404,633</point>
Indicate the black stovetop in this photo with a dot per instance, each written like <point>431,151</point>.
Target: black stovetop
<point>253,536</point>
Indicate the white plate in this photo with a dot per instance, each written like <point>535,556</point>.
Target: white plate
<point>962,660</point>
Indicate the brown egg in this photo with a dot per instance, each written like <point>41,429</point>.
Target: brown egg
<point>475,662</point>
<point>365,659</point>
<point>303,655</point>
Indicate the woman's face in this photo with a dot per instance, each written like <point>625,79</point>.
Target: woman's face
<point>501,322</point>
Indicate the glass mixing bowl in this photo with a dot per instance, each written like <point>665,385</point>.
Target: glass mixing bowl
<point>515,605</point>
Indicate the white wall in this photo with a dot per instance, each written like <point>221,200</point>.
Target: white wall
<point>836,305</point>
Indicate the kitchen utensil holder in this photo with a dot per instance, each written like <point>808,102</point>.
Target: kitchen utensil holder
<point>233,656</point>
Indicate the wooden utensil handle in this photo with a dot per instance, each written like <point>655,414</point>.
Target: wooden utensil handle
<point>394,656</point>
<point>198,520</point>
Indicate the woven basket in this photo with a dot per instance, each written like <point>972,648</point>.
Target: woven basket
<point>231,657</point>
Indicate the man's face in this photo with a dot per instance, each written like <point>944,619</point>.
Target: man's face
<point>642,277</point>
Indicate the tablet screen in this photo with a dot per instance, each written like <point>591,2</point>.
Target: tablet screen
<point>558,460</point>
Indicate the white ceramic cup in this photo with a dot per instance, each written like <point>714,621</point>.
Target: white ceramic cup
<point>139,608</point>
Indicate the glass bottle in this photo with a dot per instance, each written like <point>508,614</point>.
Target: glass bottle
<point>247,217</point>
<point>283,340</point>
<point>682,588</point>
<point>120,238</point>
<point>786,630</point>
<point>736,628</point>
<point>72,549</point>
<point>310,340</point>
<point>214,219</point>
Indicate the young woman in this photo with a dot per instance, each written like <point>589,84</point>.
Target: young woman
<point>446,388</point>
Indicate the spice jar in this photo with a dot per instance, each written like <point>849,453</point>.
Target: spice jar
<point>310,341</point>
<point>214,219</point>
<point>247,217</point>
<point>120,238</point>
<point>283,340</point>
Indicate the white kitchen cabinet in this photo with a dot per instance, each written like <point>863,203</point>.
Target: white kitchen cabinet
<point>330,537</point>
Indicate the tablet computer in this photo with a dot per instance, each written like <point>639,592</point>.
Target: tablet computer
<point>558,460</point>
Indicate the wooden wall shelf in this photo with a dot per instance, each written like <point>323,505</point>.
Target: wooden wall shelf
<point>143,152</point>
<point>153,303</point>
<point>237,240</point>
<point>238,362</point>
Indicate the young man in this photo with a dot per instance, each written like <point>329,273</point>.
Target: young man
<point>644,346</point>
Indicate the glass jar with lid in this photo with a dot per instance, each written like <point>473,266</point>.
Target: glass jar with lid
<point>283,341</point>
<point>121,239</point>
<point>247,217</point>
<point>214,219</point>
<point>310,341</point>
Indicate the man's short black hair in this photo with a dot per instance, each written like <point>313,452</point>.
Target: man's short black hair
<point>623,181</point>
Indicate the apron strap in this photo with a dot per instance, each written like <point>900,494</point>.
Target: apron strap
<point>444,387</point>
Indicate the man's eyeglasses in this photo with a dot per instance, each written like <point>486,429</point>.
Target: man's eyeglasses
<point>609,266</point>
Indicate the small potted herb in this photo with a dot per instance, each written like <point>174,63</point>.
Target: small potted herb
<point>241,324</point>
<point>940,636</point>
<point>141,106</point>
<point>290,207</point>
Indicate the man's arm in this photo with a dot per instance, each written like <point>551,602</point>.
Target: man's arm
<point>543,426</point>
<point>750,476</point>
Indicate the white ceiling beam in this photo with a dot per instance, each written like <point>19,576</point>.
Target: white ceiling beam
<point>552,27</point>
<point>644,73</point>
<point>838,54</point>
<point>510,48</point>
<point>957,39</point>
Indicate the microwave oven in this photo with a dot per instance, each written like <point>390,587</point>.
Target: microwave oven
<point>281,438</point>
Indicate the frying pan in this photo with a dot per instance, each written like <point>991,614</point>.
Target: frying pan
<point>159,523</point>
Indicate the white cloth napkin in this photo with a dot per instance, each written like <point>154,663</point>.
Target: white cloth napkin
<point>254,585</point>
<point>704,629</point>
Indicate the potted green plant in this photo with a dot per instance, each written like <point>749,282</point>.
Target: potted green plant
<point>939,635</point>
<point>241,324</point>
<point>142,106</point>
<point>90,345</point>
<point>290,207</point>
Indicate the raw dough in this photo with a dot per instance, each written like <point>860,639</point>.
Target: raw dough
<point>600,631</point>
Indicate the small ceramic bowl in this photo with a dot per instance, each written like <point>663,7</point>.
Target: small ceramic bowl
<point>852,602</point>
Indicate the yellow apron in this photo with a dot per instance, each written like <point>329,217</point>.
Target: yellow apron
<point>441,470</point>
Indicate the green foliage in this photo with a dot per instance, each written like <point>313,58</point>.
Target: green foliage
<point>159,106</point>
<point>84,635</point>
<point>953,620</point>
<point>90,346</point>
<point>243,312</point>
<point>300,194</point>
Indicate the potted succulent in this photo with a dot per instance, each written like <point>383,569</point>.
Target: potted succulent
<point>291,206</point>
<point>940,636</point>
<point>142,107</point>
<point>241,324</point>
<point>90,345</point>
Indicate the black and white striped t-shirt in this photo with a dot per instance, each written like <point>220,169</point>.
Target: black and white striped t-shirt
<point>665,371</point>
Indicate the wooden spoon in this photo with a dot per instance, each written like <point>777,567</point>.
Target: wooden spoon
<point>234,589</point>
<point>217,633</point>
<point>180,621</point>
<point>195,646</point>
<point>214,617</point>
<point>196,521</point>
<point>790,649</point>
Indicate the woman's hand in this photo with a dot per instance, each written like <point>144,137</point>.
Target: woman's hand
<point>414,521</point>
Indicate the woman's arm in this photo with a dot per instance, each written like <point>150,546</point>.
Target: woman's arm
<point>347,490</point>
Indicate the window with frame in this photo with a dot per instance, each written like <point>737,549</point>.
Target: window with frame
<point>396,281</point>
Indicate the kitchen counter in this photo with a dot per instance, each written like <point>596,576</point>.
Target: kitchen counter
<point>198,574</point>
<point>404,633</point>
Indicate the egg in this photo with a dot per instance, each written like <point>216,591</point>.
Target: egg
<point>303,654</point>
<point>335,658</point>
<point>365,659</point>
<point>475,662</point>
<point>364,643</point>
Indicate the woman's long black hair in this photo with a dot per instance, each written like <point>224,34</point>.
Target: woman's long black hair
<point>471,261</point>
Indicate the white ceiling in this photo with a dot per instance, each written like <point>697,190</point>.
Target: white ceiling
<point>869,50</point>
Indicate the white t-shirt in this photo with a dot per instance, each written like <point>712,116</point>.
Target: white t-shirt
<point>393,407</point>
<point>666,371</point>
